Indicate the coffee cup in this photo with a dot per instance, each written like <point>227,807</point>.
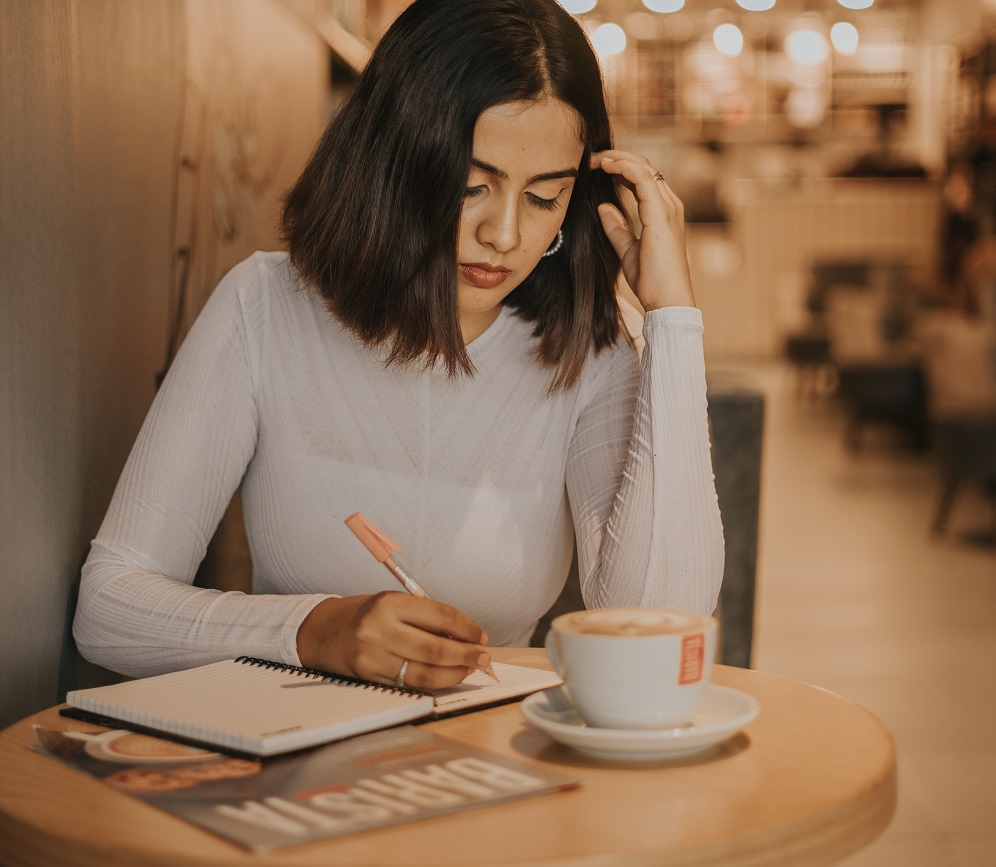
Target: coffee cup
<point>119,745</point>
<point>633,668</point>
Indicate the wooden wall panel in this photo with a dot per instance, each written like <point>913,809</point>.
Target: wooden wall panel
<point>122,127</point>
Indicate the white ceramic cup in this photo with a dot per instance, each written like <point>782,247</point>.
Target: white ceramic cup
<point>633,668</point>
<point>119,745</point>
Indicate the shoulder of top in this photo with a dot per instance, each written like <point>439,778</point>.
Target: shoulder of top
<point>257,285</point>
<point>262,272</point>
<point>257,266</point>
<point>269,261</point>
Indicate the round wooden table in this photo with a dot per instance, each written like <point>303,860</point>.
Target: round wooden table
<point>811,780</point>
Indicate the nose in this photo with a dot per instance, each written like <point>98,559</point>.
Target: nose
<point>499,226</point>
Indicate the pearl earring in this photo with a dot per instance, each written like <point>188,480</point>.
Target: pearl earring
<point>556,244</point>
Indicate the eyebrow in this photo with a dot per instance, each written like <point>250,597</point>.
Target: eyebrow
<point>545,176</point>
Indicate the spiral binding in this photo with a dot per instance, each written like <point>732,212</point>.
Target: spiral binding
<point>316,674</point>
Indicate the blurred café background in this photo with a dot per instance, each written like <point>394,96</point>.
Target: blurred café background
<point>837,161</point>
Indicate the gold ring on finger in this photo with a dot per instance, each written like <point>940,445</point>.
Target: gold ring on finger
<point>658,176</point>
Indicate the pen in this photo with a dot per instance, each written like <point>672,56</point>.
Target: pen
<point>378,544</point>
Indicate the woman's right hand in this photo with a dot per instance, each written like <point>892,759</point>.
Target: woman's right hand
<point>370,637</point>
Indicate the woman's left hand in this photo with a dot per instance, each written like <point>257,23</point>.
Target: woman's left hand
<point>655,264</point>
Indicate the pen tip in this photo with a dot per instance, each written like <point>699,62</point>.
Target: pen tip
<point>490,672</point>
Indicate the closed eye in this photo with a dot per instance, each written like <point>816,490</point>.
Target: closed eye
<point>470,192</point>
<point>545,204</point>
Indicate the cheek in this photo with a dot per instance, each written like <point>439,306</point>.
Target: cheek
<point>544,229</point>
<point>465,230</point>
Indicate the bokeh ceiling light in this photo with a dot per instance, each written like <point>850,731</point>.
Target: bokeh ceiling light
<point>856,4</point>
<point>728,39</point>
<point>609,39</point>
<point>756,5</point>
<point>844,37</point>
<point>664,5</point>
<point>807,47</point>
<point>578,7</point>
<point>806,107</point>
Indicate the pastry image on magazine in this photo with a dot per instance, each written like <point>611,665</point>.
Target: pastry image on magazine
<point>371,781</point>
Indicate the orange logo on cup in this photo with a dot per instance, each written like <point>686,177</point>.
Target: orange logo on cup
<point>692,658</point>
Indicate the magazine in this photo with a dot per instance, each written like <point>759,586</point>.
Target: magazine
<point>371,781</point>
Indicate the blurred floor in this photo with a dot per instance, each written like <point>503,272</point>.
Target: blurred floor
<point>856,596</point>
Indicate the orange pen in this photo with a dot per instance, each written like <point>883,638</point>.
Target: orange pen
<point>382,548</point>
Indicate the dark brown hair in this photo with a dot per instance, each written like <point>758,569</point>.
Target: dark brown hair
<point>372,222</point>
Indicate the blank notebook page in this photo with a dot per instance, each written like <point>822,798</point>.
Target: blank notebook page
<point>478,688</point>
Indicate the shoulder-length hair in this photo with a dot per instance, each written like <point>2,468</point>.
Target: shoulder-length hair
<point>372,222</point>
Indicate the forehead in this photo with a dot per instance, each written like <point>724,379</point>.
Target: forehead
<point>529,138</point>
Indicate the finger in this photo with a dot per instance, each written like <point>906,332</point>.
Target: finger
<point>656,265</point>
<point>637,174</point>
<point>432,649</point>
<point>631,169</point>
<point>419,676</point>
<point>656,203</point>
<point>428,631</point>
<point>615,155</point>
<point>617,229</point>
<point>383,664</point>
<point>438,617</point>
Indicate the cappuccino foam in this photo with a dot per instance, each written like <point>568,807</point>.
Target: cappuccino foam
<point>631,622</point>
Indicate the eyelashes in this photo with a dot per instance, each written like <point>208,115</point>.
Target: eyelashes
<point>545,204</point>
<point>536,201</point>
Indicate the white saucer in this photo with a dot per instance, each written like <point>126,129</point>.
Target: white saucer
<point>721,714</point>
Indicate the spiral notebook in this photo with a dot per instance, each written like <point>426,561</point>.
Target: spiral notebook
<point>264,708</point>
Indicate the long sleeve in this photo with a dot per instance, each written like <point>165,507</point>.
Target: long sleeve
<point>639,477</point>
<point>138,613</point>
<point>478,478</point>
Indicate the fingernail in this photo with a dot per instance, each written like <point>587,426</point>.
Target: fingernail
<point>483,661</point>
<point>484,639</point>
<point>608,160</point>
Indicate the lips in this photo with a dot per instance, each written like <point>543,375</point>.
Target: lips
<point>483,275</point>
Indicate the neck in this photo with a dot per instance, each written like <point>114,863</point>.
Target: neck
<point>474,324</point>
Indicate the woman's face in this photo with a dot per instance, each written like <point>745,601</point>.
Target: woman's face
<point>525,162</point>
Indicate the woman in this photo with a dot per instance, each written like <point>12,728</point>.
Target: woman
<point>440,350</point>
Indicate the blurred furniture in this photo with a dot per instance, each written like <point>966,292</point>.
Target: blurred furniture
<point>868,325</point>
<point>885,391</point>
<point>808,348</point>
<point>966,449</point>
<point>782,227</point>
<point>809,781</point>
<point>826,275</point>
<point>960,361</point>
<point>736,426</point>
<point>808,355</point>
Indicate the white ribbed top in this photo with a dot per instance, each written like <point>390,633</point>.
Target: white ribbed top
<point>477,479</point>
